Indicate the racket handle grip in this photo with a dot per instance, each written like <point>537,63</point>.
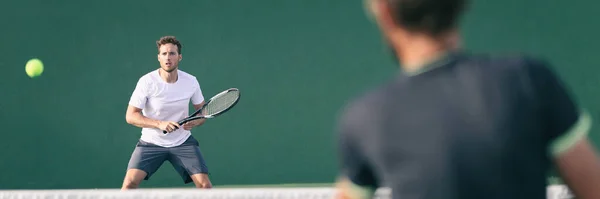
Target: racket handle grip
<point>165,132</point>
<point>180,123</point>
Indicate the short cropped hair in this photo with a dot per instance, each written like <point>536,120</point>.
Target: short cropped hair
<point>169,40</point>
<point>431,17</point>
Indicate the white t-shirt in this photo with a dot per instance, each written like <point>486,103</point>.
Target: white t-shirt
<point>164,101</point>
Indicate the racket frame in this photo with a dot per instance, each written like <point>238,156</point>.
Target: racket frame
<point>193,116</point>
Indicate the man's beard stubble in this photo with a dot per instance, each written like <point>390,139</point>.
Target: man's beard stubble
<point>168,71</point>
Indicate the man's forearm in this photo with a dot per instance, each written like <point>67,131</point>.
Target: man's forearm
<point>139,120</point>
<point>346,189</point>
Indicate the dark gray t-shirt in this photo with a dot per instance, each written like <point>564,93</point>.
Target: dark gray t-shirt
<point>471,126</point>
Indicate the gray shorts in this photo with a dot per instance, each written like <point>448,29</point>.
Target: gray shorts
<point>186,158</point>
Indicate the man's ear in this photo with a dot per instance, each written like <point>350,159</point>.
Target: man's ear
<point>385,15</point>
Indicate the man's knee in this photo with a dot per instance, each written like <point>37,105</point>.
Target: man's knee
<point>133,178</point>
<point>206,185</point>
<point>130,184</point>
<point>202,181</point>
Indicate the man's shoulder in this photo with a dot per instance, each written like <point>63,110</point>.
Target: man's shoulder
<point>153,76</point>
<point>371,96</point>
<point>148,77</point>
<point>186,75</point>
<point>365,103</point>
<point>504,62</point>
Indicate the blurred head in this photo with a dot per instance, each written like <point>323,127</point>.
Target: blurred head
<point>169,53</point>
<point>402,20</point>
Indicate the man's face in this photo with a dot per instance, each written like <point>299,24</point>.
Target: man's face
<point>168,57</point>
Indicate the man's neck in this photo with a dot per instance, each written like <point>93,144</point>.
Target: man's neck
<point>169,77</point>
<point>415,52</point>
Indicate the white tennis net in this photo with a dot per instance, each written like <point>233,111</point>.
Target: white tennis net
<point>554,192</point>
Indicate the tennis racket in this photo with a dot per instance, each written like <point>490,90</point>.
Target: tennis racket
<point>216,105</point>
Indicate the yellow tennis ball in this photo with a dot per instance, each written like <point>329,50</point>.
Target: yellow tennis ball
<point>34,68</point>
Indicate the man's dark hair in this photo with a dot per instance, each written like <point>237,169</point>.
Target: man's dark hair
<point>432,17</point>
<point>169,40</point>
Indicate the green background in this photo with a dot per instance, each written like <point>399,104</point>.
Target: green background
<point>296,63</point>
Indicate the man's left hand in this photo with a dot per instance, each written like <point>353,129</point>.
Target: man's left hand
<point>191,124</point>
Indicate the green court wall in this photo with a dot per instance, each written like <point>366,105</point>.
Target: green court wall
<point>296,63</point>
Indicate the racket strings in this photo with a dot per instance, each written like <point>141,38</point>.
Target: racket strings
<point>221,103</point>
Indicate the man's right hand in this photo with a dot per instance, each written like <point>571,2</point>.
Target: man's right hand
<point>168,126</point>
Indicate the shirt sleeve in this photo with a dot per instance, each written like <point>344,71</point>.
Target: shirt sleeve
<point>565,123</point>
<point>197,97</point>
<point>353,162</point>
<point>139,95</point>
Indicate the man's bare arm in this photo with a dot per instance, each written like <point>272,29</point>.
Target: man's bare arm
<point>134,117</point>
<point>196,107</point>
<point>346,189</point>
<point>579,167</point>
<point>191,124</point>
